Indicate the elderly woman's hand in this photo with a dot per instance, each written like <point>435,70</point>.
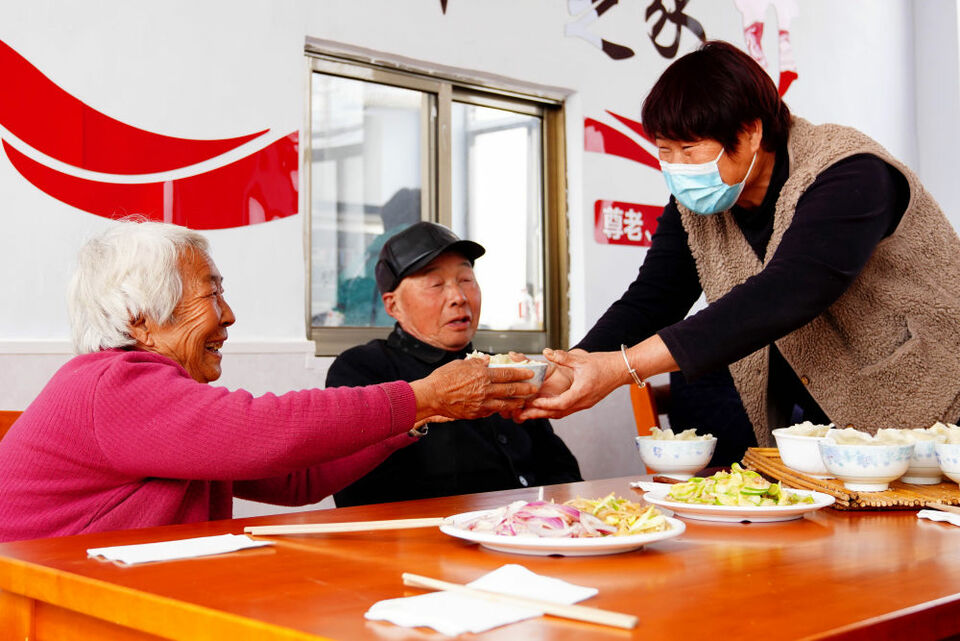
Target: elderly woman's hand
<point>469,389</point>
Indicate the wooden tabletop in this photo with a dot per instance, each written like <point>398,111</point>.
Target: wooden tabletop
<point>849,575</point>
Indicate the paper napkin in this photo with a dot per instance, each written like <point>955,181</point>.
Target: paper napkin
<point>650,486</point>
<point>179,549</point>
<point>937,515</point>
<point>453,614</point>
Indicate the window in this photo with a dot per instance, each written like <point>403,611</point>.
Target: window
<point>389,147</point>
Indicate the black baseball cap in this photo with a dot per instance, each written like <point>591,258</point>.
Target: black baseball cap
<point>414,248</point>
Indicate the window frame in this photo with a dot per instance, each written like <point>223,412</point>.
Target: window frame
<point>436,170</point>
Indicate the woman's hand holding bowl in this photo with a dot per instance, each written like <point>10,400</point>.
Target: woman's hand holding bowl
<point>579,380</point>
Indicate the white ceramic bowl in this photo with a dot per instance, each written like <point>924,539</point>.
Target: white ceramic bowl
<point>948,454</point>
<point>539,369</point>
<point>801,453</point>
<point>865,468</point>
<point>676,459</point>
<point>924,468</point>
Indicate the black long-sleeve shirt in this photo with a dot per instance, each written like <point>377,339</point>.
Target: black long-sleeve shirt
<point>459,457</point>
<point>838,222</point>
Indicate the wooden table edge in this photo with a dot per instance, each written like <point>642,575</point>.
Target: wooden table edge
<point>900,624</point>
<point>132,608</point>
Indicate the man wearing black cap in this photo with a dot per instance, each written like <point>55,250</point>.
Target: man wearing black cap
<point>425,276</point>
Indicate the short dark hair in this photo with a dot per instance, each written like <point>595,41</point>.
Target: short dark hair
<point>715,92</point>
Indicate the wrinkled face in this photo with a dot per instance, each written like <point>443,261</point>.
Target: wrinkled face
<point>733,164</point>
<point>198,329</point>
<point>440,304</point>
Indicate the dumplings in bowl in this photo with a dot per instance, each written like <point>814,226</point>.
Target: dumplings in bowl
<point>799,450</point>
<point>678,456</point>
<point>866,463</point>
<point>539,368</point>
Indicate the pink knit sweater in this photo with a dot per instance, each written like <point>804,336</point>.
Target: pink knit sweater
<point>126,439</point>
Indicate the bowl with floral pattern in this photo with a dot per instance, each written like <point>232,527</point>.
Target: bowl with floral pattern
<point>865,466</point>
<point>924,468</point>
<point>948,455</point>
<point>678,459</point>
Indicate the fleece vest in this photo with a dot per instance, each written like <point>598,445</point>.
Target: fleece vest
<point>884,354</point>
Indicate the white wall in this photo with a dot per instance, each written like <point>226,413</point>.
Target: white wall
<point>226,68</point>
<point>937,100</point>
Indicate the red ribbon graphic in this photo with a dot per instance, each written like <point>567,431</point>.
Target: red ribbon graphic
<point>50,120</point>
<point>255,189</point>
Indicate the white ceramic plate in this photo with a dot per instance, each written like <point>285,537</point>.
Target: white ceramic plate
<point>739,514</point>
<point>545,546</point>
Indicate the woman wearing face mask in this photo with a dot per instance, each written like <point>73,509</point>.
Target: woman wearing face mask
<point>832,277</point>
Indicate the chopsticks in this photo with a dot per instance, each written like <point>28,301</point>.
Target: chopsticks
<point>333,528</point>
<point>576,612</point>
<point>943,508</point>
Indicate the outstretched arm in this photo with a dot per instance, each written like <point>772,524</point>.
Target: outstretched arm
<point>584,378</point>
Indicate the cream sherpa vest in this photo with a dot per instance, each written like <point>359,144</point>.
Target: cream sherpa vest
<point>887,352</point>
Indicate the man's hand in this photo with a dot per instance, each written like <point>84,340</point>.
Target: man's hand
<point>469,389</point>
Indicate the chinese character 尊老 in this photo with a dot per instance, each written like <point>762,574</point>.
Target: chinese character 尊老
<point>612,222</point>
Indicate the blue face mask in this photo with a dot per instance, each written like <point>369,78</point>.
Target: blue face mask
<point>699,187</point>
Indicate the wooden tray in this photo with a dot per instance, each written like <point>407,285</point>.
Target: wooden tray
<point>900,496</point>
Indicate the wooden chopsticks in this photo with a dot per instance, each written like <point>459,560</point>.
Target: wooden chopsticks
<point>333,528</point>
<point>576,612</point>
<point>943,508</point>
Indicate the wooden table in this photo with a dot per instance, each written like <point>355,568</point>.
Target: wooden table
<point>844,575</point>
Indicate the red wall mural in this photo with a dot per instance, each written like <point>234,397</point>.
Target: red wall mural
<point>753,14</point>
<point>259,187</point>
<point>618,223</point>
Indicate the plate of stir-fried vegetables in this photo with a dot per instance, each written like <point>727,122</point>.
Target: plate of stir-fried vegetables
<point>738,495</point>
<point>579,527</point>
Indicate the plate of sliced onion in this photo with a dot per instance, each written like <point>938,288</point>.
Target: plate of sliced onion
<point>544,529</point>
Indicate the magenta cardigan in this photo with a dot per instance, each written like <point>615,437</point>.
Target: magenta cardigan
<point>126,439</point>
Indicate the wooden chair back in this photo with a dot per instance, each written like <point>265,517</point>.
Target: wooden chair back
<point>7,418</point>
<point>644,410</point>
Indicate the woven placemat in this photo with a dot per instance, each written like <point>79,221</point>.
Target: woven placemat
<point>900,496</point>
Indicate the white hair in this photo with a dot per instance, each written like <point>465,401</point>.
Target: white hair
<point>128,271</point>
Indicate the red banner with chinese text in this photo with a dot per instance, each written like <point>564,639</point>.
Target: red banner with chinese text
<point>616,223</point>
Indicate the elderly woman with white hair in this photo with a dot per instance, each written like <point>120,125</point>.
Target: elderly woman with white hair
<point>129,434</point>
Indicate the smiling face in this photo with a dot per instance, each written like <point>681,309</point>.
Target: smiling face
<point>198,329</point>
<point>439,304</point>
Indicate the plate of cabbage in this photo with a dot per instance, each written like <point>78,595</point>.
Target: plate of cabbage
<point>736,496</point>
<point>580,527</point>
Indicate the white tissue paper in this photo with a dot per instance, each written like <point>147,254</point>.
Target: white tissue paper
<point>179,549</point>
<point>937,515</point>
<point>453,614</point>
<point>650,486</point>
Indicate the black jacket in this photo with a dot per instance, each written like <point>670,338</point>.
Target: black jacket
<point>460,457</point>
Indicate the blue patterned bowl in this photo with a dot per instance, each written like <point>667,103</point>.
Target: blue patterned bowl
<point>948,455</point>
<point>866,468</point>
<point>676,459</point>
<point>924,468</point>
